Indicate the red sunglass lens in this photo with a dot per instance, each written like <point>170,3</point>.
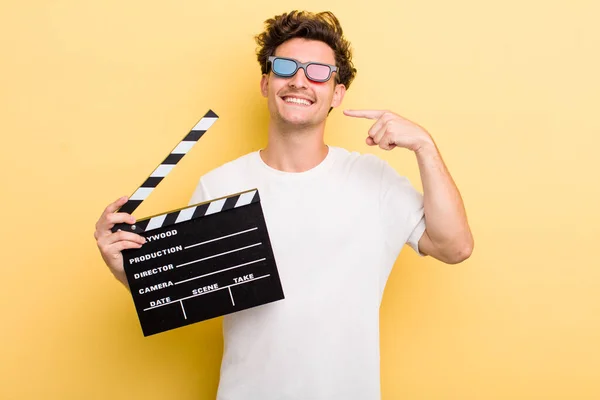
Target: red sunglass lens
<point>319,72</point>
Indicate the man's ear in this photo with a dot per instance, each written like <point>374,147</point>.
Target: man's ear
<point>338,95</point>
<point>264,85</point>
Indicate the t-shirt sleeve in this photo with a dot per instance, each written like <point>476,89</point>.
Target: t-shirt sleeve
<point>200,194</point>
<point>401,210</point>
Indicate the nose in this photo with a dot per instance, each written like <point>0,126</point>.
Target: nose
<point>299,80</point>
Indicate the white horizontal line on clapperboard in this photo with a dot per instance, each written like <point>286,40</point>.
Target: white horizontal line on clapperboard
<point>218,255</point>
<point>203,293</point>
<point>219,238</point>
<point>222,270</point>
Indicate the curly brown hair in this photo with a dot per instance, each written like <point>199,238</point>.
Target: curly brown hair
<point>323,26</point>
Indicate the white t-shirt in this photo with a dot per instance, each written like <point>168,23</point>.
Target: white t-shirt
<point>336,231</point>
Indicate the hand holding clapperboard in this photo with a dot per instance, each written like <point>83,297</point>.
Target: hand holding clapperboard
<point>201,261</point>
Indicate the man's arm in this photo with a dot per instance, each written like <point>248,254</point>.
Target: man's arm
<point>447,235</point>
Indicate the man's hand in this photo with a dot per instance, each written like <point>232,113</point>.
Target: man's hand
<point>111,244</point>
<point>391,130</point>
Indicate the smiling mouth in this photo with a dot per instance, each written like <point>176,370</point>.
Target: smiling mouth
<point>297,100</point>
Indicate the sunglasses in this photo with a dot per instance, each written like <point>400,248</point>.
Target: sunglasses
<point>286,67</point>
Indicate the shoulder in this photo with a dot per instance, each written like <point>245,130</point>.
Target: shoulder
<point>232,177</point>
<point>231,168</point>
<point>355,162</point>
<point>370,171</point>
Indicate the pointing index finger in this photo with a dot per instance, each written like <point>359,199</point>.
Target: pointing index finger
<point>370,114</point>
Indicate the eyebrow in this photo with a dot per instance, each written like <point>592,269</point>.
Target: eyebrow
<point>304,62</point>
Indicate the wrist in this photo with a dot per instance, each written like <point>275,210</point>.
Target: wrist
<point>426,147</point>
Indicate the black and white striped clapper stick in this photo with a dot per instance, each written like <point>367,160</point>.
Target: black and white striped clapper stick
<point>182,148</point>
<point>202,261</point>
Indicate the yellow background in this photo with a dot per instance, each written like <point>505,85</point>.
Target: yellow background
<point>94,94</point>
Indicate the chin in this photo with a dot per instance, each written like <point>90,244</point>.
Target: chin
<point>297,120</point>
<point>300,119</point>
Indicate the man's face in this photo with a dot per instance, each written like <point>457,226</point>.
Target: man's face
<point>287,96</point>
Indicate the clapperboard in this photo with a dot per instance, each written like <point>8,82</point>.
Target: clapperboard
<point>202,261</point>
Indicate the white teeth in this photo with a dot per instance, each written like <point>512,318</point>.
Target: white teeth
<point>297,101</point>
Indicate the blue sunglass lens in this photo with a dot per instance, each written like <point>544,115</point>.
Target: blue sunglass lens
<point>284,67</point>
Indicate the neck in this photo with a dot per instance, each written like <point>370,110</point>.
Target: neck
<point>294,150</point>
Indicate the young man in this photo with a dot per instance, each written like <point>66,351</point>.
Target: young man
<point>337,222</point>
